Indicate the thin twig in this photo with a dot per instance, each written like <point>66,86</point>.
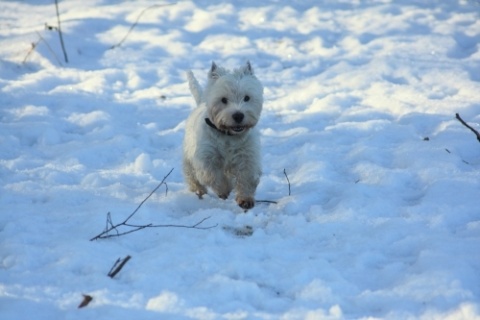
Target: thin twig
<point>105,235</point>
<point>195,226</point>
<point>275,202</point>
<point>118,266</point>
<point>60,33</point>
<point>136,22</point>
<point>151,193</point>
<point>50,28</point>
<point>266,201</point>
<point>469,127</point>
<point>34,46</point>
<point>86,300</point>
<point>285,173</point>
<point>50,49</point>
<point>110,226</point>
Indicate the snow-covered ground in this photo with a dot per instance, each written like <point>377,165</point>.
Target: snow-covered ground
<point>383,220</point>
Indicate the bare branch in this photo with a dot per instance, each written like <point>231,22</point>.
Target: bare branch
<point>50,28</point>
<point>469,127</point>
<point>35,45</point>
<point>110,225</point>
<point>107,233</point>
<point>285,173</point>
<point>275,202</point>
<point>151,193</point>
<point>118,266</point>
<point>136,22</point>
<point>60,33</point>
<point>266,201</point>
<point>86,300</point>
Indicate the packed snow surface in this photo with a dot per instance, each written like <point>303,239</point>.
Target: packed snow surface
<point>376,183</point>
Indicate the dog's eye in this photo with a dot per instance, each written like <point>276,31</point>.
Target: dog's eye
<point>224,100</point>
<point>247,98</point>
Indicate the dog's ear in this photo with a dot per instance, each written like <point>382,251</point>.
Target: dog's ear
<point>248,70</point>
<point>213,74</point>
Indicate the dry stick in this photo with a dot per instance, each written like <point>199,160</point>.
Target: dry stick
<point>285,173</point>
<point>34,45</point>
<point>118,266</point>
<point>50,49</point>
<point>86,300</point>
<point>469,127</point>
<point>60,33</point>
<point>110,226</point>
<point>105,235</point>
<point>50,28</point>
<point>136,22</point>
<point>151,193</point>
<point>266,201</point>
<point>110,223</point>
<point>194,226</point>
<point>275,202</point>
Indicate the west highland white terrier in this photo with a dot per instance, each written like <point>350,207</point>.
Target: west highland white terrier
<point>221,149</point>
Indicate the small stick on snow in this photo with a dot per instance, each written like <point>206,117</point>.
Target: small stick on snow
<point>34,46</point>
<point>60,33</point>
<point>118,266</point>
<point>466,125</point>
<point>285,173</point>
<point>111,227</point>
<point>275,202</point>
<point>136,22</point>
<point>266,201</point>
<point>86,300</point>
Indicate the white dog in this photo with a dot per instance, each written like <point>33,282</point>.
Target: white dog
<point>221,149</point>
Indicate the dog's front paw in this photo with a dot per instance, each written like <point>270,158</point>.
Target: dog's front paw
<point>246,203</point>
<point>200,192</point>
<point>223,196</point>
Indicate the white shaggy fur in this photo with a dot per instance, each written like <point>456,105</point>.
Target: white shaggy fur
<point>221,149</point>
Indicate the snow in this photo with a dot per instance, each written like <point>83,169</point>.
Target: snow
<point>383,218</point>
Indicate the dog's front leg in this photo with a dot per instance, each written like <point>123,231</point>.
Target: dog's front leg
<point>220,184</point>
<point>247,175</point>
<point>212,174</point>
<point>246,187</point>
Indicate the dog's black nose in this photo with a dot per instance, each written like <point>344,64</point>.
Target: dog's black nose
<point>238,117</point>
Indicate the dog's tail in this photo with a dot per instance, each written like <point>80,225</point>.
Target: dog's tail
<point>195,88</point>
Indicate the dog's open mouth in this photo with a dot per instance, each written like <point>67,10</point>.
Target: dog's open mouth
<point>238,129</point>
<point>234,129</point>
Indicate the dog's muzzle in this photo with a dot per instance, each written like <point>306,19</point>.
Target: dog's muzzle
<point>228,130</point>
